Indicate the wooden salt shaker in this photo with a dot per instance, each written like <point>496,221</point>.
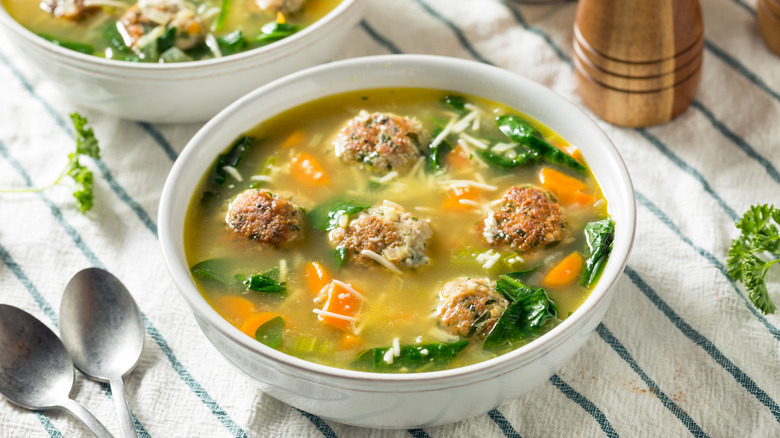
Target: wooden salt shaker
<point>638,62</point>
<point>768,12</point>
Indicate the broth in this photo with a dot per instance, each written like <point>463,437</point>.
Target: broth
<point>170,30</point>
<point>395,309</point>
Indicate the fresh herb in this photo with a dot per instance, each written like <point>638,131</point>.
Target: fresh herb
<point>218,269</point>
<point>525,134</point>
<point>523,156</point>
<point>232,157</point>
<point>529,311</point>
<point>271,332</point>
<point>267,282</point>
<point>747,261</point>
<point>411,358</point>
<point>167,39</point>
<point>117,44</point>
<point>223,11</point>
<point>456,103</point>
<point>325,217</point>
<point>86,145</point>
<point>436,154</point>
<point>68,44</point>
<point>275,31</point>
<point>340,256</point>
<point>231,43</point>
<point>521,275</point>
<point>599,236</point>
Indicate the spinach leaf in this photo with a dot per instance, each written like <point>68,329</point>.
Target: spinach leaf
<point>436,154</point>
<point>520,275</point>
<point>516,128</point>
<point>223,11</point>
<point>267,282</point>
<point>218,269</point>
<point>231,43</point>
<point>340,256</point>
<point>325,217</point>
<point>524,318</point>
<point>166,40</point>
<point>456,103</point>
<point>271,332</point>
<point>412,358</point>
<point>599,235</point>
<point>68,44</point>
<point>275,31</point>
<point>524,156</point>
<point>232,157</point>
<point>523,133</point>
<point>117,44</point>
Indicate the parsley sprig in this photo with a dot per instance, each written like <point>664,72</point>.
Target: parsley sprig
<point>755,251</point>
<point>86,145</point>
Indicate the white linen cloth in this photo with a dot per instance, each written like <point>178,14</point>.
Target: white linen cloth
<point>680,351</point>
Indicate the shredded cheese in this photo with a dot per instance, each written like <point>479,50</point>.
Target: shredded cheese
<point>452,183</point>
<point>381,260</point>
<point>392,204</point>
<point>233,172</point>
<point>349,288</point>
<point>333,315</point>
<point>465,121</point>
<point>264,178</point>
<point>488,259</point>
<point>443,134</point>
<point>490,227</point>
<point>473,141</point>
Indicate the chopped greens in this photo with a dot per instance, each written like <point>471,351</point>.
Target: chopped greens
<point>523,156</point>
<point>529,311</point>
<point>755,250</point>
<point>410,358</point>
<point>232,157</point>
<point>436,154</point>
<point>522,132</point>
<point>86,145</point>
<point>456,103</point>
<point>231,43</point>
<point>275,31</point>
<point>68,44</point>
<point>516,128</point>
<point>267,282</point>
<point>599,235</point>
<point>271,332</point>
<point>218,269</point>
<point>340,256</point>
<point>325,217</point>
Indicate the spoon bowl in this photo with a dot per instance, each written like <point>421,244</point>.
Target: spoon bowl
<point>103,330</point>
<point>36,371</point>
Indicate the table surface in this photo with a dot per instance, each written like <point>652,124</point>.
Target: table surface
<point>679,352</point>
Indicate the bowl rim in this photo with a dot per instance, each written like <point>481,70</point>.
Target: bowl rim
<point>262,54</point>
<point>527,353</point>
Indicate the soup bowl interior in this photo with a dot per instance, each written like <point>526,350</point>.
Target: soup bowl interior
<point>185,91</point>
<point>399,400</point>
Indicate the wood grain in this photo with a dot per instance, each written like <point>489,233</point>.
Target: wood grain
<point>769,23</point>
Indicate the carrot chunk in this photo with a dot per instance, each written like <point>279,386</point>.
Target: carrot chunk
<point>234,308</point>
<point>565,272</point>
<point>294,139</point>
<point>454,196</point>
<point>458,158</point>
<point>307,170</point>
<point>341,307</point>
<point>567,189</point>
<point>316,277</point>
<point>251,324</point>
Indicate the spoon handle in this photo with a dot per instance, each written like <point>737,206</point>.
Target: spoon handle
<point>87,418</point>
<point>123,411</point>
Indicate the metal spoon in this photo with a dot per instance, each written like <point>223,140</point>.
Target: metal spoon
<point>36,371</point>
<point>102,329</point>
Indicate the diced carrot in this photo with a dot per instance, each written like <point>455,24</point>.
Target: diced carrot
<point>316,277</point>
<point>567,189</point>
<point>307,170</point>
<point>234,308</point>
<point>341,301</point>
<point>193,28</point>
<point>348,342</point>
<point>251,324</point>
<point>468,193</point>
<point>294,139</point>
<point>458,158</point>
<point>565,272</point>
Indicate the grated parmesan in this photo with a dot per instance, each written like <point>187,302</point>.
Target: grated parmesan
<point>452,183</point>
<point>490,227</point>
<point>488,259</point>
<point>233,172</point>
<point>264,178</point>
<point>349,288</point>
<point>473,141</point>
<point>333,315</point>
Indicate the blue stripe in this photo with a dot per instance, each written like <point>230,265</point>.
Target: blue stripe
<point>220,413</point>
<point>741,69</point>
<point>686,420</point>
<point>586,404</point>
<point>711,258</point>
<point>521,20</point>
<point>746,7</point>
<point>705,344</point>
<point>384,42</point>
<point>458,33</point>
<point>319,423</point>
<point>737,140</point>
<point>419,433</point>
<point>685,167</point>
<point>122,193</point>
<point>50,428</point>
<point>503,424</point>
<point>160,139</point>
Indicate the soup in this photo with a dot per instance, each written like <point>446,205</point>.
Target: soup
<point>397,230</point>
<point>166,30</point>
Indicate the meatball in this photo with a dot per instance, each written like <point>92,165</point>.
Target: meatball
<point>69,9</point>
<point>526,218</point>
<point>265,218</point>
<point>470,307</point>
<point>283,6</point>
<point>386,230</point>
<point>148,15</point>
<point>382,142</point>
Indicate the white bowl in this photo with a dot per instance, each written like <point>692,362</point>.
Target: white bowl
<point>180,92</point>
<point>399,400</point>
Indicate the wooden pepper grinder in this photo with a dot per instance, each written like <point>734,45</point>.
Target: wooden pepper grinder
<point>768,12</point>
<point>638,62</point>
